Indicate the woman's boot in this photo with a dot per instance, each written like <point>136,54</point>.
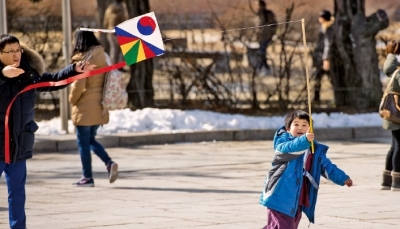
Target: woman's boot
<point>386,180</point>
<point>395,181</point>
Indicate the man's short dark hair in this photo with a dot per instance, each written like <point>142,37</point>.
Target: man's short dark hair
<point>7,39</point>
<point>262,3</point>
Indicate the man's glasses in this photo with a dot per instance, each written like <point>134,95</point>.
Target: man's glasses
<point>14,51</point>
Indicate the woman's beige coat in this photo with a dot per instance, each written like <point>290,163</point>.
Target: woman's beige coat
<point>86,94</point>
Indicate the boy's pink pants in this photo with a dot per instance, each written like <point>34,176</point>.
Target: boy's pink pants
<point>277,220</point>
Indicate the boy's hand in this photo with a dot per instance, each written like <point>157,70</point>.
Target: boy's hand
<point>309,136</point>
<point>348,182</point>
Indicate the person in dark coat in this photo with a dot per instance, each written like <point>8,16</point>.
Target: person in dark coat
<point>267,30</point>
<point>20,67</point>
<point>321,55</point>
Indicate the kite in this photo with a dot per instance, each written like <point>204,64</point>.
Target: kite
<point>139,38</point>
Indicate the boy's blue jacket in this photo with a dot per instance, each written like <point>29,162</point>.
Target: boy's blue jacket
<point>283,183</point>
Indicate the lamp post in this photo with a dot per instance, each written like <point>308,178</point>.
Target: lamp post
<point>3,17</point>
<point>66,18</point>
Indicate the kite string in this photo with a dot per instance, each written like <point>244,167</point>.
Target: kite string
<point>305,53</point>
<point>238,29</point>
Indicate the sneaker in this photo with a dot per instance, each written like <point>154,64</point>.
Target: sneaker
<point>112,169</point>
<point>84,182</point>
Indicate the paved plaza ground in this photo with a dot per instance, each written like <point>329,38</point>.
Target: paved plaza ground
<point>198,186</point>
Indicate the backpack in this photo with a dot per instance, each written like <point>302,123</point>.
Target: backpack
<point>114,94</point>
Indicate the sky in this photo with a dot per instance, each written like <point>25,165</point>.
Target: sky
<point>174,121</point>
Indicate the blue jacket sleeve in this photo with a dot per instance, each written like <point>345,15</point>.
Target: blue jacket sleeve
<point>332,172</point>
<point>2,77</point>
<point>285,143</point>
<point>61,75</point>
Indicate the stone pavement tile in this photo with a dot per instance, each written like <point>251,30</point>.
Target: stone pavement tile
<point>197,186</point>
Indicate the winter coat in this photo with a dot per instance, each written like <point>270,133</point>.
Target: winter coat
<point>266,17</point>
<point>21,118</point>
<point>323,44</point>
<point>114,15</point>
<point>284,181</point>
<point>86,94</point>
<point>389,67</point>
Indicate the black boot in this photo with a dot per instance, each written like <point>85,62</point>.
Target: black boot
<point>386,180</point>
<point>395,181</point>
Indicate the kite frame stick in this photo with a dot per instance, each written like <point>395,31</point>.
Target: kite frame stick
<point>98,30</point>
<point>308,79</point>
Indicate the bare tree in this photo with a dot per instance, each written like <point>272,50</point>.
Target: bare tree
<point>101,8</point>
<point>140,86</point>
<point>354,68</point>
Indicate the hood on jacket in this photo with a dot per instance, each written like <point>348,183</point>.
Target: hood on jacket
<point>34,59</point>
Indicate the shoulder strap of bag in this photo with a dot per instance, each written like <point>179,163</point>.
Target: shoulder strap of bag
<point>391,81</point>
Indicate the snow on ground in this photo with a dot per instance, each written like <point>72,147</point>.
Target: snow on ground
<point>172,121</point>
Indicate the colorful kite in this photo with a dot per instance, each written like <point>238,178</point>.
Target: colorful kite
<point>139,38</point>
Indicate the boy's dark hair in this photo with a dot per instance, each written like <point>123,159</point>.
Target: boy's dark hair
<point>7,39</point>
<point>393,47</point>
<point>84,40</point>
<point>262,3</point>
<point>296,114</point>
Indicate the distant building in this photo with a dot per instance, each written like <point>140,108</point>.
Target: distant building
<point>171,14</point>
<point>25,15</point>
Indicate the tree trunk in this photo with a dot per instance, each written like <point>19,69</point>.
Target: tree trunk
<point>354,61</point>
<point>101,8</point>
<point>141,81</point>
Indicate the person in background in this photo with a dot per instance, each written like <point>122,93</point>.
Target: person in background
<point>20,67</point>
<point>292,184</point>
<point>391,174</point>
<point>321,54</point>
<point>264,36</point>
<point>87,111</point>
<point>115,14</point>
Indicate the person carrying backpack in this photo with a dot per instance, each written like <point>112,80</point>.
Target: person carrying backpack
<point>87,110</point>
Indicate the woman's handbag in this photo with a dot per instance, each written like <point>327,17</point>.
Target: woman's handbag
<point>389,108</point>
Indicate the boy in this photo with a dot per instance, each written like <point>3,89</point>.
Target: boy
<point>300,170</point>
